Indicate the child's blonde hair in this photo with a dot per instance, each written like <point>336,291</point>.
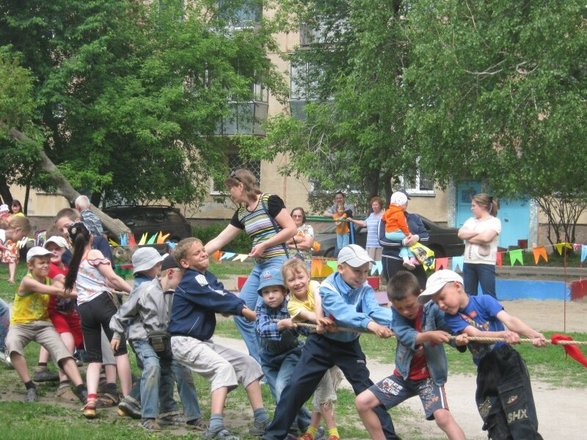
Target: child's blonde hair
<point>20,222</point>
<point>183,246</point>
<point>293,265</point>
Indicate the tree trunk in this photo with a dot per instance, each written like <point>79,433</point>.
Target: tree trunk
<point>113,225</point>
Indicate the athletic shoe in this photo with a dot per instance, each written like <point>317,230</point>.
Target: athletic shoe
<point>5,359</point>
<point>31,395</point>
<point>128,408</point>
<point>258,428</point>
<point>197,425</point>
<point>223,434</point>
<point>172,419</point>
<point>64,393</point>
<point>150,425</point>
<point>107,400</point>
<point>44,375</point>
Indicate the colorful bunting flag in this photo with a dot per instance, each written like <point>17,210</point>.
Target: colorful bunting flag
<point>457,263</point>
<point>499,259</point>
<point>441,263</point>
<point>153,238</point>
<point>241,257</point>
<point>377,268</point>
<point>539,252</point>
<point>560,246</point>
<point>516,255</point>
<point>583,253</point>
<point>227,256</point>
<point>332,265</point>
<point>131,241</point>
<point>143,239</point>
<point>217,255</point>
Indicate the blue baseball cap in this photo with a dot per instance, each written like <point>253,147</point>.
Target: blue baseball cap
<point>270,277</point>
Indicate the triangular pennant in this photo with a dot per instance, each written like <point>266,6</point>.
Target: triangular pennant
<point>171,244</point>
<point>217,255</point>
<point>316,268</point>
<point>516,255</point>
<point>583,253</point>
<point>441,263</point>
<point>457,263</point>
<point>539,252</point>
<point>132,242</point>
<point>376,268</point>
<point>143,239</point>
<point>161,238</point>
<point>327,269</point>
<point>112,243</point>
<point>560,246</point>
<point>499,259</point>
<point>241,257</point>
<point>124,239</point>
<point>332,265</point>
<point>227,256</point>
<point>153,238</point>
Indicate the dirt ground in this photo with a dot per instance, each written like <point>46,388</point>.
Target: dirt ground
<point>558,408</point>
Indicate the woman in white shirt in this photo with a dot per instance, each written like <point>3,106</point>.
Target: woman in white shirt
<point>481,234</point>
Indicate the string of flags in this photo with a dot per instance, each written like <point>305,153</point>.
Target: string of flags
<point>322,267</point>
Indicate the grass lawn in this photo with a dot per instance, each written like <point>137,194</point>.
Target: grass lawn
<point>49,419</point>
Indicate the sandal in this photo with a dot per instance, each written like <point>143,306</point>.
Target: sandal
<point>89,409</point>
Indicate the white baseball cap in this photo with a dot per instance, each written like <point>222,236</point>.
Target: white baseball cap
<point>37,251</point>
<point>398,198</point>
<point>354,256</point>
<point>58,240</point>
<point>436,282</point>
<point>145,258</point>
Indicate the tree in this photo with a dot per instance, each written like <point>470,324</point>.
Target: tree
<point>129,95</point>
<point>501,99</point>
<point>353,135</point>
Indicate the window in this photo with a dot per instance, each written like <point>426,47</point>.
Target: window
<point>234,163</point>
<point>241,14</point>
<point>420,184</point>
<point>303,82</point>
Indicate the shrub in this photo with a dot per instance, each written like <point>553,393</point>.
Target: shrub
<point>241,244</point>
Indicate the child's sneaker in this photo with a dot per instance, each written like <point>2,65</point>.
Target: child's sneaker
<point>197,425</point>
<point>258,428</point>
<point>127,408</point>
<point>5,359</point>
<point>172,419</point>
<point>31,395</point>
<point>64,393</point>
<point>223,434</point>
<point>44,375</point>
<point>150,425</point>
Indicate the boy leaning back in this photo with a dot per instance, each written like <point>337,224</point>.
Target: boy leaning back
<point>30,322</point>
<point>350,301</point>
<point>420,359</point>
<point>504,394</point>
<point>197,299</point>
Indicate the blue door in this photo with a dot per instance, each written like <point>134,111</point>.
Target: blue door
<point>513,213</point>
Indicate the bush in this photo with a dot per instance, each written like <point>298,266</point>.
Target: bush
<point>242,244</point>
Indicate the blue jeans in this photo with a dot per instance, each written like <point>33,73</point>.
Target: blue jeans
<point>156,381</point>
<point>278,370</point>
<point>250,296</point>
<point>342,240</point>
<point>475,274</point>
<point>4,324</point>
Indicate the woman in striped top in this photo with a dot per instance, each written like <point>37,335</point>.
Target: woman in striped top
<point>264,218</point>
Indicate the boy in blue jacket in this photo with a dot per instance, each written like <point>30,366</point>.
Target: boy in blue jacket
<point>350,302</point>
<point>421,365</point>
<point>197,299</point>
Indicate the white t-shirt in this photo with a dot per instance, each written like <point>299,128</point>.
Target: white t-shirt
<point>479,254</point>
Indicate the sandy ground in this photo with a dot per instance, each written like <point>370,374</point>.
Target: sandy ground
<point>559,409</point>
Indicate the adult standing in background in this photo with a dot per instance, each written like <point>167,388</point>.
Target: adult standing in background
<point>340,199</point>
<point>264,218</point>
<point>481,234</point>
<point>392,262</point>
<point>303,241</point>
<point>373,247</point>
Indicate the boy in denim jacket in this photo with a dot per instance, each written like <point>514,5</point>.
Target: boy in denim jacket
<point>420,360</point>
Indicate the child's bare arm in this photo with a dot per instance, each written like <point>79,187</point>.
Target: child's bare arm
<point>515,324</point>
<point>30,285</point>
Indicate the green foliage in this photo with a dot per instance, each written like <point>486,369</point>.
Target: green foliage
<point>131,93</point>
<point>242,244</point>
